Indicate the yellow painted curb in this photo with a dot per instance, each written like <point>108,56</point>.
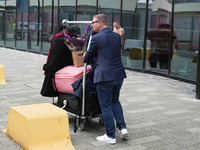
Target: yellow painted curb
<point>39,127</point>
<point>2,75</point>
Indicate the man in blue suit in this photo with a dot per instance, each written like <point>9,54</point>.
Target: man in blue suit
<point>109,74</point>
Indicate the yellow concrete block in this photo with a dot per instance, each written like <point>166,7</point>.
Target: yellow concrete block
<point>174,54</point>
<point>135,53</point>
<point>194,59</point>
<point>2,75</point>
<point>39,127</point>
<point>138,53</point>
<point>148,53</point>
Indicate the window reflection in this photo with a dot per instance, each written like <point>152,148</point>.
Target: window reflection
<point>67,10</point>
<point>86,9</point>
<point>110,8</point>
<point>35,22</point>
<point>49,22</point>
<point>159,33</point>
<point>186,25</point>
<point>133,21</point>
<point>185,1</point>
<point>10,23</point>
<point>22,24</point>
<point>2,22</point>
<point>161,52</point>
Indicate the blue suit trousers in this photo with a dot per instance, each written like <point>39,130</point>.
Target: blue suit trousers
<point>108,95</point>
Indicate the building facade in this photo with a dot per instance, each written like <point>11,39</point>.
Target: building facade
<point>161,36</point>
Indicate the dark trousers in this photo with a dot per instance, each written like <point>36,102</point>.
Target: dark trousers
<point>108,95</point>
<point>163,60</point>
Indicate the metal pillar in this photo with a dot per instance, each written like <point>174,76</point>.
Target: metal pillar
<point>198,73</point>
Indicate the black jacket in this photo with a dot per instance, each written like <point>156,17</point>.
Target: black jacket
<point>60,57</point>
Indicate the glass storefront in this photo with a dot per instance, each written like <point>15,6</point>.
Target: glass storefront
<point>163,38</point>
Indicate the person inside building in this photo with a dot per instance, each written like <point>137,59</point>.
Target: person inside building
<point>118,29</point>
<point>109,74</point>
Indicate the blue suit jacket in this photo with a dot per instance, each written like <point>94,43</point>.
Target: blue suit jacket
<point>105,47</point>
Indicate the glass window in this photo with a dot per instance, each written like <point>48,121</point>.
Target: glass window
<point>86,9</point>
<point>35,21</point>
<point>67,10</point>
<point>10,23</point>
<point>185,1</point>
<point>186,25</point>
<point>110,8</point>
<point>50,20</point>
<point>133,21</point>
<point>158,34</point>
<point>47,24</point>
<point>2,22</point>
<point>55,15</point>
<point>22,24</point>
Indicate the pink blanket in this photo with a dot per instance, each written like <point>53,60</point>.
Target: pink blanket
<point>65,77</point>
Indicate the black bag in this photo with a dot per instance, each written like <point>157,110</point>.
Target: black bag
<point>60,57</point>
<point>74,105</point>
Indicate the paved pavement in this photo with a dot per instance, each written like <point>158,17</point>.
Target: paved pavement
<point>161,113</point>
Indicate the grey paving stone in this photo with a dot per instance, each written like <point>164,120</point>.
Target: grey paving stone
<point>136,147</point>
<point>194,130</point>
<point>136,141</point>
<point>153,144</point>
<point>187,143</point>
<point>176,111</point>
<point>168,147</point>
<point>145,110</point>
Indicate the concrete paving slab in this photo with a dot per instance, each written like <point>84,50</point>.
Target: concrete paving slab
<point>160,113</point>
